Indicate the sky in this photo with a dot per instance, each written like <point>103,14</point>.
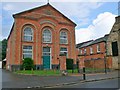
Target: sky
<point>94,19</point>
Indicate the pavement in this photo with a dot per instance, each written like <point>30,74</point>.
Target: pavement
<point>11,80</point>
<point>89,78</point>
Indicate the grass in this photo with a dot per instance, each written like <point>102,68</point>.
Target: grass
<point>39,72</point>
<point>54,72</point>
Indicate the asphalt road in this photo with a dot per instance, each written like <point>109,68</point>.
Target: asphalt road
<point>11,80</point>
<point>110,83</point>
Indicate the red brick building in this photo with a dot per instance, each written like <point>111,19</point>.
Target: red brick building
<point>92,54</point>
<point>42,33</point>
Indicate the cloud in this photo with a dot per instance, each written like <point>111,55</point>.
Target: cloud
<point>8,7</point>
<point>78,12</point>
<point>99,27</point>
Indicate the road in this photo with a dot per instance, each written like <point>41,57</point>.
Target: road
<point>110,83</point>
<point>11,80</point>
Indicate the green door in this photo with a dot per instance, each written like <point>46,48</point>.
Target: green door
<point>46,62</point>
<point>46,58</point>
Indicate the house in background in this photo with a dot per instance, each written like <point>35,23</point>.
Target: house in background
<point>92,54</point>
<point>42,33</point>
<point>113,44</point>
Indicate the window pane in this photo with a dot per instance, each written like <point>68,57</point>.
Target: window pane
<point>63,50</point>
<point>28,34</point>
<point>46,36</point>
<point>63,37</point>
<point>98,48</point>
<point>45,49</point>
<point>27,51</point>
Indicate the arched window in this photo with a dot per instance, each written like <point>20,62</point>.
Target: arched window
<point>46,36</point>
<point>28,34</point>
<point>63,37</point>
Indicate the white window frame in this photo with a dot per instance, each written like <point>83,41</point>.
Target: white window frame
<point>85,51</point>
<point>81,51</point>
<point>65,39</point>
<point>63,52</point>
<point>91,50</point>
<point>44,37</point>
<point>27,35</point>
<point>98,48</point>
<point>31,50</point>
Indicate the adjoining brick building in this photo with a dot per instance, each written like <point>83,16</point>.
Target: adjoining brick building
<point>92,54</point>
<point>42,33</point>
<point>113,44</point>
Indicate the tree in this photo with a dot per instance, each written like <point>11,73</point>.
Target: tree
<point>28,64</point>
<point>4,46</point>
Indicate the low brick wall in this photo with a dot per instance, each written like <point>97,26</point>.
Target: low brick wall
<point>99,63</point>
<point>95,63</point>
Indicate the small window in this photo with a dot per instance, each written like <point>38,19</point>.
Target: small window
<point>46,36</point>
<point>63,37</point>
<point>27,52</point>
<point>98,48</point>
<point>91,50</point>
<point>28,34</point>
<point>114,48</point>
<point>63,50</point>
<point>81,52</point>
<point>46,51</point>
<point>85,51</point>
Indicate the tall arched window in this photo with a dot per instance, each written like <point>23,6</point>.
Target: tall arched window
<point>28,34</point>
<point>63,37</point>
<point>47,36</point>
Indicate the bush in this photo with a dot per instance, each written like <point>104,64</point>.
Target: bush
<point>28,64</point>
<point>69,63</point>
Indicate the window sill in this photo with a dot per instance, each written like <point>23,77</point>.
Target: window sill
<point>64,44</point>
<point>28,41</point>
<point>47,42</point>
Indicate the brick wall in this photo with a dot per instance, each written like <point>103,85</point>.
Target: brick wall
<point>57,22</point>
<point>96,59</point>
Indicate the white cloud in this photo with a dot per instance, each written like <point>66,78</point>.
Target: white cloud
<point>83,34</point>
<point>79,10</point>
<point>99,27</point>
<point>8,7</point>
<point>15,7</point>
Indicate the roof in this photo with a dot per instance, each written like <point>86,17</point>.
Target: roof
<point>91,42</point>
<point>81,44</point>
<point>11,31</point>
<point>30,10</point>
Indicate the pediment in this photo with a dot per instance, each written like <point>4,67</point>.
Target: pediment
<point>45,11</point>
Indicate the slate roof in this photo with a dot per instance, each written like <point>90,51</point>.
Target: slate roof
<point>91,42</point>
<point>81,44</point>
